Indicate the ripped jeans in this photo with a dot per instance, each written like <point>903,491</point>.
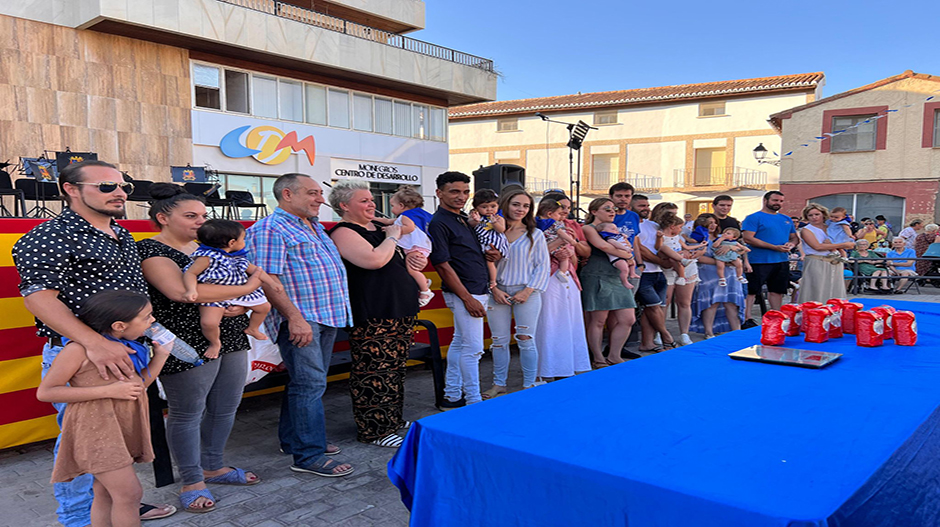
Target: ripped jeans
<point>499,317</point>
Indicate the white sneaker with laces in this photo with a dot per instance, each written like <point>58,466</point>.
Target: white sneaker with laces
<point>684,339</point>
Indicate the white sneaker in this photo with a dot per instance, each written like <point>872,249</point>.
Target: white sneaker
<point>658,340</point>
<point>562,277</point>
<point>680,281</point>
<point>684,339</point>
<point>687,262</point>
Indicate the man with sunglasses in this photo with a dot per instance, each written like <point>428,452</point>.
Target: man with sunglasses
<point>64,261</point>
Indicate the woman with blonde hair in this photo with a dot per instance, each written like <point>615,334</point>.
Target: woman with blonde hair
<point>823,275</point>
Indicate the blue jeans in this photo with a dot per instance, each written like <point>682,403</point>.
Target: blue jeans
<point>464,352</point>
<point>75,496</point>
<point>500,317</point>
<point>302,429</point>
<point>202,402</point>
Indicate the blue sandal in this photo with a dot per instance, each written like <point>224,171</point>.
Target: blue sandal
<point>236,476</point>
<point>190,496</point>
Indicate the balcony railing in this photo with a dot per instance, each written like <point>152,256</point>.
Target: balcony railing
<point>332,23</point>
<point>601,181</point>
<point>723,177</point>
<point>537,186</point>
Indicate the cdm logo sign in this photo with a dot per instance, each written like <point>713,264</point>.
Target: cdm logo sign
<point>267,144</point>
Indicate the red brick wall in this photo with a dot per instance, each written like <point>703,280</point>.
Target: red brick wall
<point>920,196</point>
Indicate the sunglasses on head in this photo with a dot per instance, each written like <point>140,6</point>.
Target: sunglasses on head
<point>107,187</point>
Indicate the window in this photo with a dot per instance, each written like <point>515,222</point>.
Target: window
<point>437,125</point>
<point>710,109</point>
<point>605,117</point>
<point>206,82</point>
<point>339,108</point>
<point>268,96</point>
<point>261,188</point>
<point>858,136</point>
<point>236,91</point>
<point>936,128</point>
<point>403,119</point>
<point>383,116</point>
<point>291,97</point>
<point>264,96</point>
<point>867,206</point>
<point>420,124</point>
<point>362,112</point>
<point>507,125</point>
<point>316,104</point>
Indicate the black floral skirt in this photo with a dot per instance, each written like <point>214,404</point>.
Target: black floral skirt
<point>379,349</point>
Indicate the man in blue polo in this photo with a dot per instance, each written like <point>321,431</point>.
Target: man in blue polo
<point>770,236</point>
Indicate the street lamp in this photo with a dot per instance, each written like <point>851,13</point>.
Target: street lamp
<point>760,154</point>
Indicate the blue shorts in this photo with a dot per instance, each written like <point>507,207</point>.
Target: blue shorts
<point>652,290</point>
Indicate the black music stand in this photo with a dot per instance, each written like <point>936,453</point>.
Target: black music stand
<point>43,172</point>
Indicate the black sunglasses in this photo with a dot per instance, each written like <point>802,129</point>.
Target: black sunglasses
<point>107,187</point>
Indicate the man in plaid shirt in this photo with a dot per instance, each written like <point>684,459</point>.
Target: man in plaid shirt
<point>293,248</point>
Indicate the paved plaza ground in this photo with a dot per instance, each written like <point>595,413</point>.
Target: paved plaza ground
<point>283,498</point>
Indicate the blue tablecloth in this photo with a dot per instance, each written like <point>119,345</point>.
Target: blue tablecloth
<point>690,437</point>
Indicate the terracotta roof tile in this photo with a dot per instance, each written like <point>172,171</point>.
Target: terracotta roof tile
<point>705,90</point>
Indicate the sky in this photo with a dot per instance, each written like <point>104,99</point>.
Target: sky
<point>553,47</point>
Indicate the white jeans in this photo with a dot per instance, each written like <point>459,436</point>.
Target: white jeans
<point>500,318</point>
<point>463,355</point>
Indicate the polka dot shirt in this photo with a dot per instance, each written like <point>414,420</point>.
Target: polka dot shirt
<point>67,254</point>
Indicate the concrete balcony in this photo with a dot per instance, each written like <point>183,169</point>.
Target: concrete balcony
<point>283,35</point>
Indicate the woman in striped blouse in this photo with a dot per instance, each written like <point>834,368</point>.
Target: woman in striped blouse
<point>521,277</point>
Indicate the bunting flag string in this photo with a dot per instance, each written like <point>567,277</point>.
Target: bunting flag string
<point>830,135</point>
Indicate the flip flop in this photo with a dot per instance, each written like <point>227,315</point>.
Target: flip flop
<point>146,507</point>
<point>236,476</point>
<point>494,392</point>
<point>336,450</point>
<point>190,496</point>
<point>405,425</point>
<point>323,467</point>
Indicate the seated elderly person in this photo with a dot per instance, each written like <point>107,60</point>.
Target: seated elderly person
<point>865,267</point>
<point>900,262</point>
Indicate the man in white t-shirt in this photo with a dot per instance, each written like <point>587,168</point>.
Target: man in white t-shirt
<point>651,293</point>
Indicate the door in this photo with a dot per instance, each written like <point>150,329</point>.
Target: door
<point>698,207</point>
<point>709,167</point>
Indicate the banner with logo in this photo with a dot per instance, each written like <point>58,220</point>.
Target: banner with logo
<point>377,172</point>
<point>188,174</point>
<point>64,159</point>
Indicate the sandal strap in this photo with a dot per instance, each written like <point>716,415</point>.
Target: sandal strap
<point>190,496</point>
<point>236,476</point>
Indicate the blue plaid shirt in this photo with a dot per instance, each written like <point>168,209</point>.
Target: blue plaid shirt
<point>307,263</point>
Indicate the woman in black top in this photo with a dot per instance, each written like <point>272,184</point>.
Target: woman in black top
<point>384,302</point>
<point>202,400</point>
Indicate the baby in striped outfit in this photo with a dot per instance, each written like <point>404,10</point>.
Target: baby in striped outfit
<point>489,227</point>
<point>220,259</point>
